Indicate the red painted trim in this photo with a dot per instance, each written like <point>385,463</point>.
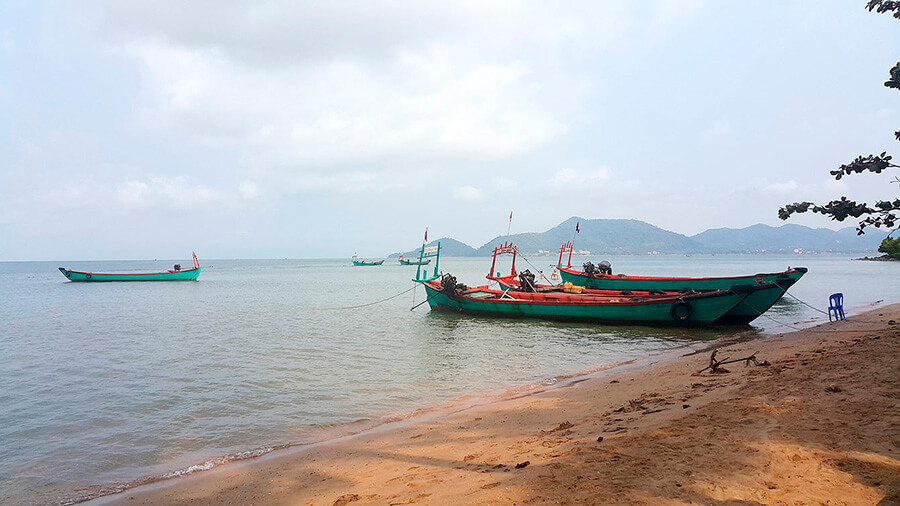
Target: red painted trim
<point>668,278</point>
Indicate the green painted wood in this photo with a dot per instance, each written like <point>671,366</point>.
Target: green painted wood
<point>758,300</point>
<point>183,275</point>
<point>363,263</point>
<point>755,304</point>
<point>705,307</point>
<point>623,282</point>
<point>425,256</point>
<point>404,261</point>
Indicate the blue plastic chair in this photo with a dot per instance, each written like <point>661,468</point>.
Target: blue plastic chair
<point>836,306</point>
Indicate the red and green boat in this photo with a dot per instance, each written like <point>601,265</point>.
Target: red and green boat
<point>444,293</point>
<point>758,302</point>
<point>696,308</point>
<point>174,274</point>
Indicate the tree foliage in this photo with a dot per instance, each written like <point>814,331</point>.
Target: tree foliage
<point>884,213</point>
<point>882,6</point>
<point>891,247</point>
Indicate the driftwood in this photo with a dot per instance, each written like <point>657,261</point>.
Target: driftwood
<point>715,365</point>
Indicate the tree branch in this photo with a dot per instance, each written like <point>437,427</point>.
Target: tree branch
<point>882,6</point>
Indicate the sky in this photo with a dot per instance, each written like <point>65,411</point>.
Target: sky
<point>284,129</point>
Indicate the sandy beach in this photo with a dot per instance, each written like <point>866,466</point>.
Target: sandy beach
<point>819,424</point>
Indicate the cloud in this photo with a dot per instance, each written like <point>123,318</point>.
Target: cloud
<point>249,190</point>
<point>173,193</point>
<point>570,177</point>
<point>720,131</point>
<point>433,101</point>
<point>272,33</point>
<point>468,193</point>
<point>504,185</point>
<point>785,187</point>
<point>292,87</point>
<point>666,13</point>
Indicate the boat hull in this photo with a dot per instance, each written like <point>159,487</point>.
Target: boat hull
<point>701,308</point>
<point>755,304</point>
<point>622,282</point>
<point>366,264</point>
<point>758,299</point>
<point>97,277</point>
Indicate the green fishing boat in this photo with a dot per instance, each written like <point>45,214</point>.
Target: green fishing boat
<point>600,277</point>
<point>175,274</point>
<point>407,261</point>
<point>444,293</point>
<point>690,309</point>
<point>357,262</point>
<point>759,294</point>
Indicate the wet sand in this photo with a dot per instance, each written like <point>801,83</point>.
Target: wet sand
<point>819,425</point>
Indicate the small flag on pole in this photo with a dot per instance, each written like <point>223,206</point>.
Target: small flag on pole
<point>510,216</point>
<point>577,229</point>
<point>426,234</point>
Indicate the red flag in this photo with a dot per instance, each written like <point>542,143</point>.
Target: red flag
<point>576,228</point>
<point>510,216</point>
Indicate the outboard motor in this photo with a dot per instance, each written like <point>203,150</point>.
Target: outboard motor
<point>526,281</point>
<point>448,284</point>
<point>589,269</point>
<point>604,267</point>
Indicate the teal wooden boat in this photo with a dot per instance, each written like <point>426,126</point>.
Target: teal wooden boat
<point>688,309</point>
<point>175,274</point>
<point>757,298</point>
<point>365,263</point>
<point>407,261</point>
<point>444,293</point>
<point>602,278</point>
<point>760,295</point>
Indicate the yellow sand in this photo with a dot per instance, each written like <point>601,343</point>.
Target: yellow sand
<point>820,425</point>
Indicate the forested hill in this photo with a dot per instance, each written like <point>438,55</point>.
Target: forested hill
<point>634,237</point>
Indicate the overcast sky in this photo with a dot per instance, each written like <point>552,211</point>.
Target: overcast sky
<point>285,129</point>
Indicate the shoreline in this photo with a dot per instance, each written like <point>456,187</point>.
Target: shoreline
<point>102,494</point>
<point>768,434</point>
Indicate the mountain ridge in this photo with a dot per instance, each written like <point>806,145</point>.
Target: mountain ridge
<point>635,237</point>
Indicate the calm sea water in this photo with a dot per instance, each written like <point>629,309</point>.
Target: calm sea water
<point>106,385</point>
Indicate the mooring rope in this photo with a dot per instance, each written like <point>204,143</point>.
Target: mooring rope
<point>376,302</point>
<point>426,300</point>
<point>539,272</point>
<point>805,304</point>
<point>812,329</point>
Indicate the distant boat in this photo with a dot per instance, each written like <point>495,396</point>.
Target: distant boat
<point>406,261</point>
<point>174,274</point>
<point>365,263</point>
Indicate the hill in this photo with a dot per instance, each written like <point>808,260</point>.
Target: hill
<point>449,247</point>
<point>634,237</point>
<point>786,238</point>
<point>626,237</point>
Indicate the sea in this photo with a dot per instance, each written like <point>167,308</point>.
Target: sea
<point>105,386</point>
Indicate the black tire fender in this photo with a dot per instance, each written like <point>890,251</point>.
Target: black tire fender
<point>681,311</point>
